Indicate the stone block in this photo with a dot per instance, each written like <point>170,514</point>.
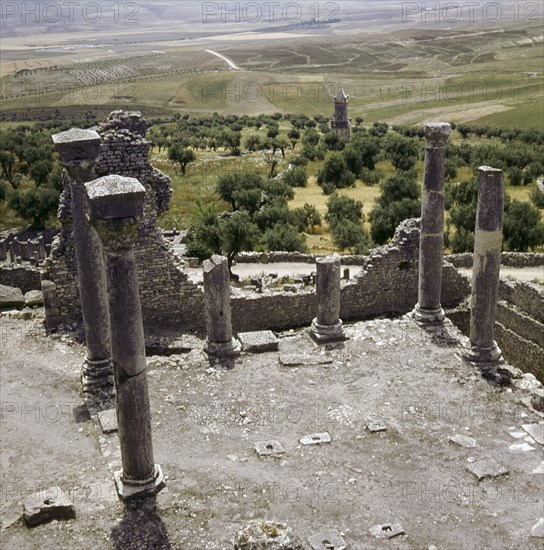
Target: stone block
<point>536,431</point>
<point>108,421</point>
<point>77,145</point>
<point>387,530</point>
<point>260,341</point>
<point>486,468</point>
<point>327,540</point>
<point>48,505</point>
<point>115,197</point>
<point>11,297</point>
<point>463,440</point>
<point>269,448</point>
<point>316,439</point>
<point>34,298</point>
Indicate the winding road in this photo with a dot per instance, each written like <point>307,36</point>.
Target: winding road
<point>230,63</point>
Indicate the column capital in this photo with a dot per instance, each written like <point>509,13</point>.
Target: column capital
<point>115,206</point>
<point>335,259</point>
<point>78,150</point>
<point>436,134</point>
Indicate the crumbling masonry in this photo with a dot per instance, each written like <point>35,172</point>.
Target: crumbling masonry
<point>387,282</point>
<point>167,295</point>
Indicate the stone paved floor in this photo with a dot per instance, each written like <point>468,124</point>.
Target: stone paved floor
<point>206,421</point>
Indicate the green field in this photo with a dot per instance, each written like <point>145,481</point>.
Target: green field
<point>485,75</point>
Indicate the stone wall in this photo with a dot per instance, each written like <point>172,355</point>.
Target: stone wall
<point>291,257</point>
<point>512,259</point>
<point>386,284</point>
<point>26,277</point>
<point>519,325</point>
<point>168,296</point>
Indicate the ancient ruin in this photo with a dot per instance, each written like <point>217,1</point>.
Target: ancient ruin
<point>486,267</point>
<point>79,150</point>
<point>340,122</point>
<point>428,308</point>
<point>220,342</point>
<point>300,443</point>
<point>116,205</point>
<point>125,151</point>
<point>327,326</point>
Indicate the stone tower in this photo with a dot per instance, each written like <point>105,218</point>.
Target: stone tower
<point>340,122</point>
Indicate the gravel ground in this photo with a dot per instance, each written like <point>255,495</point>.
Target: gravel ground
<point>299,269</point>
<point>206,420</point>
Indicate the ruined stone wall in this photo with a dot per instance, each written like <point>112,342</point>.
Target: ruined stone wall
<point>387,283</point>
<point>519,325</point>
<point>168,297</point>
<point>511,259</point>
<point>291,257</point>
<point>25,277</point>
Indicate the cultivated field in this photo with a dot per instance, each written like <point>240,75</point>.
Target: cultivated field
<point>395,68</point>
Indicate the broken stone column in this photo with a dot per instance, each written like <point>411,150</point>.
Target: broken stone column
<point>3,250</point>
<point>327,326</point>
<point>486,267</point>
<point>116,205</point>
<point>220,342</point>
<point>431,246</point>
<point>41,248</point>
<point>79,151</point>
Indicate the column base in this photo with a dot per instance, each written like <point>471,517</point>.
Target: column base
<point>428,316</point>
<point>96,374</point>
<point>223,349</point>
<point>327,333</point>
<point>130,488</point>
<point>477,354</point>
<point>98,385</point>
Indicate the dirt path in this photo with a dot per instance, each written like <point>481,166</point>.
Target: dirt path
<point>231,64</point>
<point>299,269</point>
<point>518,273</point>
<point>206,421</point>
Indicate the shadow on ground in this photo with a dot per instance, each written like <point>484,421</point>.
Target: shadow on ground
<point>141,528</point>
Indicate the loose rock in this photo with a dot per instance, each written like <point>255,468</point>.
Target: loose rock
<point>34,298</point>
<point>259,341</point>
<point>538,529</point>
<point>11,297</point>
<point>328,540</point>
<point>267,535</point>
<point>108,421</point>
<point>536,431</point>
<point>269,448</point>
<point>463,440</point>
<point>316,439</point>
<point>486,468</point>
<point>48,505</point>
<point>296,359</point>
<point>387,530</point>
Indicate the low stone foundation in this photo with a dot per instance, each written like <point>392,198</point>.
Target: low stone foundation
<point>519,326</point>
<point>386,285</point>
<point>23,276</point>
<point>511,259</point>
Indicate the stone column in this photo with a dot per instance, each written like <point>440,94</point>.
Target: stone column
<point>79,150</point>
<point>327,326</point>
<point>486,267</point>
<point>3,250</point>
<point>41,248</point>
<point>116,204</point>
<point>431,245</point>
<point>220,342</point>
